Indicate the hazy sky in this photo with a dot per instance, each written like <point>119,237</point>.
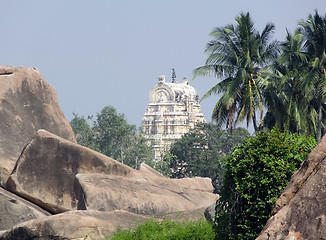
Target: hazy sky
<point>100,53</point>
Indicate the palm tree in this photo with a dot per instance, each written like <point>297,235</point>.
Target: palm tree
<point>239,55</point>
<point>285,100</point>
<point>314,83</point>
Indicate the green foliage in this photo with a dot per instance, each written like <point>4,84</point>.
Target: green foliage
<point>239,55</point>
<point>314,82</point>
<point>201,151</point>
<point>297,99</point>
<point>111,135</point>
<point>163,166</point>
<point>168,230</point>
<point>287,106</point>
<point>287,79</point>
<point>83,131</point>
<point>256,173</point>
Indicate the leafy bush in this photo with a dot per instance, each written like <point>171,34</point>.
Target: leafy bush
<point>166,230</point>
<point>256,173</point>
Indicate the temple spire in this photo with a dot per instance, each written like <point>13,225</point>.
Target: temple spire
<point>173,110</point>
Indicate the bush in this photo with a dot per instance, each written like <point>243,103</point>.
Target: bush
<point>256,173</point>
<point>166,230</point>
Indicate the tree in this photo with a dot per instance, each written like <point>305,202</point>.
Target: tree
<point>288,108</point>
<point>255,175</point>
<point>239,55</point>
<point>297,100</point>
<point>200,152</point>
<point>111,135</point>
<point>83,131</point>
<point>314,83</point>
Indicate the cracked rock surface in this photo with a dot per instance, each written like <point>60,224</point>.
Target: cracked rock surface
<point>15,210</point>
<point>27,103</point>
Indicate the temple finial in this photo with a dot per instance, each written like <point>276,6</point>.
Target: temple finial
<point>173,75</point>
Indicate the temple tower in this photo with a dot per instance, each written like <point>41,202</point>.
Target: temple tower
<point>173,109</point>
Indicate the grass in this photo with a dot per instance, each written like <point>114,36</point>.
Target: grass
<point>167,230</point>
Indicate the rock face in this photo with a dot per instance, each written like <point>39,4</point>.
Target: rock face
<point>300,212</point>
<point>73,225</point>
<point>89,192</point>
<point>148,170</point>
<point>27,104</point>
<point>59,176</point>
<point>15,210</point>
<point>144,195</point>
<point>45,172</point>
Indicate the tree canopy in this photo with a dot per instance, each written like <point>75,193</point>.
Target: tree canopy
<point>201,152</point>
<point>111,135</point>
<point>256,73</point>
<point>239,55</point>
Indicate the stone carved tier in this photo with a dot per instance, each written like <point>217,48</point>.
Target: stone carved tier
<point>173,109</point>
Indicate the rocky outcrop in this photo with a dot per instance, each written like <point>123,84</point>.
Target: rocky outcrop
<point>59,176</point>
<point>143,167</point>
<point>300,212</point>
<point>15,210</point>
<point>73,225</point>
<point>45,171</point>
<point>142,194</point>
<point>88,192</point>
<point>27,103</point>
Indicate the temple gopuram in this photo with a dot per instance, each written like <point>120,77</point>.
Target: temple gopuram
<point>173,109</point>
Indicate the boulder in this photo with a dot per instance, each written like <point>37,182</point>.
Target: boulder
<point>64,178</point>
<point>141,194</point>
<point>15,210</point>
<point>45,171</point>
<point>27,103</point>
<point>59,176</point>
<point>192,215</point>
<point>210,213</point>
<point>73,225</point>
<point>143,167</point>
<point>300,212</point>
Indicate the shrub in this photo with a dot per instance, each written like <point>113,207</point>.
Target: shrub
<point>166,230</point>
<point>256,173</point>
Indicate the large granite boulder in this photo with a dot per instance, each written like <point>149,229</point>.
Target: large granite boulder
<point>15,210</point>
<point>27,103</point>
<point>59,175</point>
<point>143,167</point>
<point>81,225</point>
<point>300,212</point>
<point>45,171</point>
<point>141,194</point>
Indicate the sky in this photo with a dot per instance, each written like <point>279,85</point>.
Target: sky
<point>110,53</point>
